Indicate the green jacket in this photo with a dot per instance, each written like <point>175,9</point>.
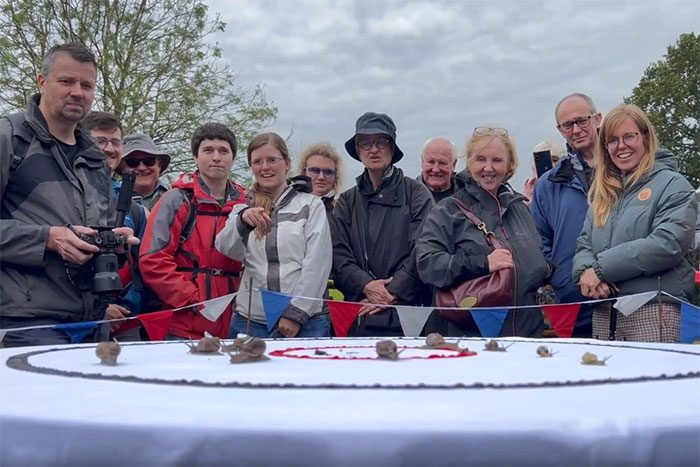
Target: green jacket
<point>649,235</point>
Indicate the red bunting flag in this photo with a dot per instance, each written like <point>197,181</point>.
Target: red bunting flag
<point>343,314</point>
<point>562,316</point>
<point>156,324</point>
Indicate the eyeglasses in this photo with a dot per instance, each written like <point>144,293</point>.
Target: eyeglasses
<point>486,130</point>
<point>582,123</point>
<point>268,160</point>
<point>134,162</point>
<point>379,143</point>
<point>630,139</point>
<point>101,142</point>
<point>316,171</point>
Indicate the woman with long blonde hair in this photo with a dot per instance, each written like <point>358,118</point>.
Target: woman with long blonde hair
<point>638,232</point>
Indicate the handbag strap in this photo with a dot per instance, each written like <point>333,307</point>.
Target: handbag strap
<point>490,236</point>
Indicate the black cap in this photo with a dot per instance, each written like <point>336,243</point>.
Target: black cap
<point>372,123</point>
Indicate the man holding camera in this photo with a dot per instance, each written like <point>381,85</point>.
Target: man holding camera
<point>560,202</point>
<point>54,183</point>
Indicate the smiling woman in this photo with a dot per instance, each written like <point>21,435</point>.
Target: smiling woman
<point>639,203</point>
<point>321,162</point>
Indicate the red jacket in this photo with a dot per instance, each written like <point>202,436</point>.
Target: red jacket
<point>194,271</point>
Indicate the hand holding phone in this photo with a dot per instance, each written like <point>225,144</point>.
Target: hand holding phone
<point>543,161</point>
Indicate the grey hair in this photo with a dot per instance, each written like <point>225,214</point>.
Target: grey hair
<point>587,99</point>
<point>453,148</point>
<point>77,51</point>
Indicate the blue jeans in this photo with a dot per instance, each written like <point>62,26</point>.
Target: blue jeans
<point>317,326</point>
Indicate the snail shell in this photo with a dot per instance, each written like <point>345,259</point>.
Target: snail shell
<point>589,358</point>
<point>434,339</point>
<point>544,351</point>
<point>493,345</point>
<point>108,352</point>
<point>208,345</point>
<point>387,349</point>
<point>254,347</point>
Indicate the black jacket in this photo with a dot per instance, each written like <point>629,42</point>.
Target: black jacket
<point>373,235</point>
<point>450,249</point>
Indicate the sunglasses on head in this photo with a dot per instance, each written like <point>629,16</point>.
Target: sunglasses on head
<point>148,161</point>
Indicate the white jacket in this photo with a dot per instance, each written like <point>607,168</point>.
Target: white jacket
<point>294,258</point>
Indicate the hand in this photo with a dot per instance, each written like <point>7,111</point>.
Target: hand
<point>500,259</point>
<point>116,312</point>
<point>529,188</point>
<point>255,217</point>
<point>591,285</point>
<point>128,233</point>
<point>69,246</point>
<point>376,291</point>
<point>288,327</point>
<point>371,309</point>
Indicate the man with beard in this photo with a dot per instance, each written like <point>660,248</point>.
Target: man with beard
<point>54,182</point>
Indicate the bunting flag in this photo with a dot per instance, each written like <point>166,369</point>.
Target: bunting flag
<point>274,304</point>
<point>156,324</point>
<point>631,303</point>
<point>343,314</point>
<point>76,331</point>
<point>214,308</point>
<point>489,321</point>
<point>563,317</point>
<point>690,323</point>
<point>413,319</point>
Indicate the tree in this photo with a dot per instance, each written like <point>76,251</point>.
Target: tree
<point>669,92</point>
<point>158,69</point>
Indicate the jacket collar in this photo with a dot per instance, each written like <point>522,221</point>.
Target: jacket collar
<point>388,192</point>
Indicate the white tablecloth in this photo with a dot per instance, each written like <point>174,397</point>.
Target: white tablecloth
<point>49,419</point>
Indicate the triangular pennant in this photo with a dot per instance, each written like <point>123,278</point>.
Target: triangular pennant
<point>214,308</point>
<point>563,317</point>
<point>127,324</point>
<point>274,304</point>
<point>157,324</point>
<point>413,319</point>
<point>343,314</point>
<point>489,321</point>
<point>630,303</point>
<point>690,323</point>
<point>76,331</point>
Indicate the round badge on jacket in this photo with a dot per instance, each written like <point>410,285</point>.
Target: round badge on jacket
<point>468,302</point>
<point>644,195</point>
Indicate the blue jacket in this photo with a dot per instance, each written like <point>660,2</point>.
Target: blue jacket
<point>559,208</point>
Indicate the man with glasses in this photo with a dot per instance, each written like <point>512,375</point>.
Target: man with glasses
<point>438,161</point>
<point>373,228</point>
<point>54,183</point>
<point>143,157</point>
<point>560,201</point>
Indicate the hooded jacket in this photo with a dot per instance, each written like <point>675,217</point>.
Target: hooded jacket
<point>648,235</point>
<point>450,249</point>
<point>293,258</point>
<point>45,190</point>
<point>374,233</point>
<point>194,271</point>
<point>559,206</point>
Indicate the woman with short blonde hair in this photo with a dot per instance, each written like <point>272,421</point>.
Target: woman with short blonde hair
<point>321,162</point>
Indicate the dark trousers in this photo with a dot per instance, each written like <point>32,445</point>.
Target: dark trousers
<point>44,336</point>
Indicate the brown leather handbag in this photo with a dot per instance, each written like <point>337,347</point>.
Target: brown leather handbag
<point>494,289</point>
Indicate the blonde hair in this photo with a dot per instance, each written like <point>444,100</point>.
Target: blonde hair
<point>554,149</point>
<point>260,197</point>
<point>607,182</point>
<point>478,141</point>
<point>323,149</point>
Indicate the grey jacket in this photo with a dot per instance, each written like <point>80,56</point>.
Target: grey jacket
<point>649,235</point>
<point>43,191</point>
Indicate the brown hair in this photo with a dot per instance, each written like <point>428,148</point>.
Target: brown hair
<point>607,181</point>
<point>259,197</point>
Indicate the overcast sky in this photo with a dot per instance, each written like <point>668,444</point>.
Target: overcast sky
<point>442,67</point>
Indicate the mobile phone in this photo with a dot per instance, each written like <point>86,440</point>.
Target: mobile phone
<point>543,161</point>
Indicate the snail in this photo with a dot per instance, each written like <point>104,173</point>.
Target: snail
<point>108,352</point>
<point>249,349</point>
<point>206,344</point>
<point>387,350</point>
<point>589,358</point>
<point>434,340</point>
<point>494,346</point>
<point>544,351</point>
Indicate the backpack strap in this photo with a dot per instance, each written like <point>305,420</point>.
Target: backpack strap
<point>20,139</point>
